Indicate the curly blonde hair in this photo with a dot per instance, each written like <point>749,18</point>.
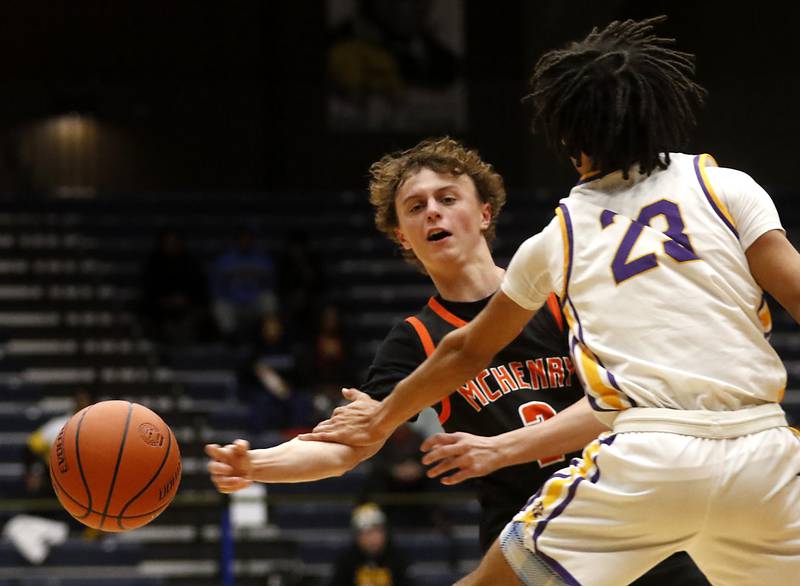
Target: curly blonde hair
<point>442,155</point>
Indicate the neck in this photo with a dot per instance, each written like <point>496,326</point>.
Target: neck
<point>472,281</point>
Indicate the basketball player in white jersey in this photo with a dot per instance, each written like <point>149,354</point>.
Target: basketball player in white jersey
<point>660,260</point>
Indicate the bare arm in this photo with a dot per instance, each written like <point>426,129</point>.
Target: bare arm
<point>471,456</point>
<point>461,355</point>
<point>775,265</point>
<point>235,466</point>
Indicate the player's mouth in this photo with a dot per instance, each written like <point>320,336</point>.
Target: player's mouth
<point>438,234</point>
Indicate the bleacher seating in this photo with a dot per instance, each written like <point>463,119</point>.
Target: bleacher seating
<point>68,293</point>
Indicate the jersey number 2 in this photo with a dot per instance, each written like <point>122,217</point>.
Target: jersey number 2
<point>536,412</point>
<point>677,247</point>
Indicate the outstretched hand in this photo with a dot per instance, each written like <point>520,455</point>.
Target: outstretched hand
<point>469,455</point>
<point>351,424</point>
<point>231,467</point>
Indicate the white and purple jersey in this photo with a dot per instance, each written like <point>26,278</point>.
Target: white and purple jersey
<point>655,286</point>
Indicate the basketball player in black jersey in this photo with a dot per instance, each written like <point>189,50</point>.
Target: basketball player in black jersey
<point>439,201</point>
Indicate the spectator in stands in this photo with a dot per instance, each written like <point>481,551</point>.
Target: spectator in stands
<point>397,469</point>
<point>243,288</point>
<point>37,449</point>
<point>301,283</point>
<point>330,350</point>
<point>371,560</point>
<point>326,361</point>
<point>267,381</point>
<point>175,302</point>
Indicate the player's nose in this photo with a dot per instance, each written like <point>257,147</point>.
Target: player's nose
<point>433,210</point>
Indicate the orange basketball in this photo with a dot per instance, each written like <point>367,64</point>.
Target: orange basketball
<point>115,466</point>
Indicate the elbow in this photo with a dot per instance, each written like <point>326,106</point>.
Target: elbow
<point>469,353</point>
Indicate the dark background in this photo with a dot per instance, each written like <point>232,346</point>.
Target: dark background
<point>231,96</point>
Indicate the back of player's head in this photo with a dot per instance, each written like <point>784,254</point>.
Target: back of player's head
<point>442,155</point>
<point>622,96</point>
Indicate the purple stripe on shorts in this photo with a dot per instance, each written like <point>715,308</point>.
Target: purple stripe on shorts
<point>540,527</point>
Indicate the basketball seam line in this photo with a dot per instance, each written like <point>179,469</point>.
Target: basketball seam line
<point>92,511</point>
<point>146,486</point>
<point>119,461</point>
<point>80,465</point>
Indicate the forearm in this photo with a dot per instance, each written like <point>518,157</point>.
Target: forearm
<point>565,432</point>
<point>436,378</point>
<point>306,461</point>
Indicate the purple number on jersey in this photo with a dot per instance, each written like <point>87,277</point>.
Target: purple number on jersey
<point>677,247</point>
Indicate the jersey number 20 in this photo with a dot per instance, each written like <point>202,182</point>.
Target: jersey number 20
<point>677,247</point>
<point>536,412</point>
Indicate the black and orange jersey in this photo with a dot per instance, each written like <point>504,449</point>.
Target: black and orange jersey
<point>527,382</point>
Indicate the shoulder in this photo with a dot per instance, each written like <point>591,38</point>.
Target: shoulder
<point>730,179</point>
<point>403,337</point>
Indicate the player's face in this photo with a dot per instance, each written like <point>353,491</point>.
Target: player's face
<point>440,217</point>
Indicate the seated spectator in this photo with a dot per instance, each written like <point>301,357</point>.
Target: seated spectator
<point>371,560</point>
<point>243,288</point>
<point>332,367</point>
<point>397,469</point>
<point>37,449</point>
<point>174,301</point>
<point>267,381</point>
<point>301,283</point>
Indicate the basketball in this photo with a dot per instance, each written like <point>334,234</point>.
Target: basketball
<point>115,466</point>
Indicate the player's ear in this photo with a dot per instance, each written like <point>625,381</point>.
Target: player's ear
<point>486,215</point>
<point>401,238</point>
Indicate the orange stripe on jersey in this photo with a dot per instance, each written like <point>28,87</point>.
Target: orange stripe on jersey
<point>707,160</point>
<point>424,335</point>
<point>429,347</point>
<point>555,309</point>
<point>447,316</point>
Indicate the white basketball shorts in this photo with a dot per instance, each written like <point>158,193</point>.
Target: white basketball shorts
<point>637,497</point>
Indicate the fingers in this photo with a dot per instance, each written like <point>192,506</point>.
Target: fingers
<point>217,468</point>
<point>464,468</point>
<point>442,467</point>
<point>223,474</point>
<point>438,439</point>
<point>213,451</point>
<point>326,425</point>
<point>355,395</point>
<point>459,476</point>
<point>229,484</point>
<point>238,449</point>
<point>442,452</point>
<point>321,436</point>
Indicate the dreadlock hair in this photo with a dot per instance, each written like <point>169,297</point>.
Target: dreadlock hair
<point>621,96</point>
